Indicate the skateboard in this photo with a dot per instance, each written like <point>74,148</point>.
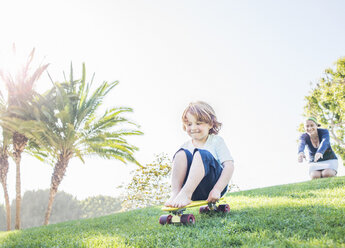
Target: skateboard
<point>176,215</point>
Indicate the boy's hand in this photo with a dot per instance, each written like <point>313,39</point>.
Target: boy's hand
<point>214,195</point>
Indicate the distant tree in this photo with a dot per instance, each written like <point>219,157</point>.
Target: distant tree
<point>326,101</point>
<point>233,187</point>
<point>66,207</point>
<point>150,184</point>
<point>20,89</point>
<point>3,226</point>
<point>66,125</point>
<point>99,206</point>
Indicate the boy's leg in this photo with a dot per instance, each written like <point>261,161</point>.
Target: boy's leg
<point>213,171</point>
<point>196,174</point>
<point>178,174</point>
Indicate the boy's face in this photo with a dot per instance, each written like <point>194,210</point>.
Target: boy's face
<point>197,130</point>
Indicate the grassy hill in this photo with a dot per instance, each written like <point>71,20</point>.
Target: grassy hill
<point>308,214</point>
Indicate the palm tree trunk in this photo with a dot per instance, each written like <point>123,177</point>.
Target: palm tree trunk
<point>3,179</point>
<point>18,193</point>
<point>8,207</point>
<point>58,174</point>
<point>19,143</point>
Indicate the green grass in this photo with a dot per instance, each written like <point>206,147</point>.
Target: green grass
<point>309,214</point>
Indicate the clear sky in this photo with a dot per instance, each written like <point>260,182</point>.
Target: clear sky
<point>253,61</point>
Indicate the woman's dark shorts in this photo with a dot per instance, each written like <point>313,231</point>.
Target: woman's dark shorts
<point>213,170</point>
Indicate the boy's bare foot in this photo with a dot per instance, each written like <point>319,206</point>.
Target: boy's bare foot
<point>169,202</point>
<point>181,200</point>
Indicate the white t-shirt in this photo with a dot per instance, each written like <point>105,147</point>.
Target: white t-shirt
<point>215,145</point>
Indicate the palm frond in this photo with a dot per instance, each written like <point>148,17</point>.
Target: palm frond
<point>64,120</point>
<point>20,86</point>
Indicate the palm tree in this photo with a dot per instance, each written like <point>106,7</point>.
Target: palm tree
<point>4,154</point>
<point>4,164</point>
<point>20,90</point>
<point>66,126</point>
<point>3,180</point>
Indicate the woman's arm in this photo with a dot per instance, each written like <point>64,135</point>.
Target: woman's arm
<point>325,141</point>
<point>302,143</point>
<point>223,181</point>
<point>301,146</point>
<point>324,144</point>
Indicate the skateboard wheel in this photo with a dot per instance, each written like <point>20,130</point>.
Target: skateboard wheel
<point>224,208</point>
<point>187,219</point>
<point>165,219</point>
<point>204,209</point>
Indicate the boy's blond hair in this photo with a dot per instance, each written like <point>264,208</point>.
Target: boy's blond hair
<point>202,112</point>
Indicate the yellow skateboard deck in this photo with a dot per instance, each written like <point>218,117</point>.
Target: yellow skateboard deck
<point>190,205</point>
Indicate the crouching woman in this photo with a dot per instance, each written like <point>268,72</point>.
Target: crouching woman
<point>322,160</point>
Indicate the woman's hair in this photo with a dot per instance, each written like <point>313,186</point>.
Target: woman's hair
<point>202,112</point>
<point>312,118</point>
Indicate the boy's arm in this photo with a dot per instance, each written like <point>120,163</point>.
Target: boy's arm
<point>223,181</point>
